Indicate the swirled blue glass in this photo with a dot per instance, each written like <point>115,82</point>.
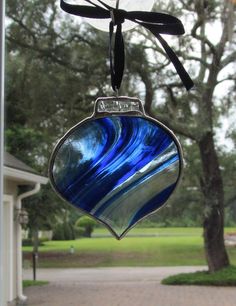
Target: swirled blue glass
<point>118,169</point>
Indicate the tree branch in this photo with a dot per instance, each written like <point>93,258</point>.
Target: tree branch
<point>217,63</point>
<point>23,26</point>
<point>197,59</point>
<point>187,6</point>
<point>49,53</point>
<point>229,59</point>
<point>201,38</point>
<point>176,126</point>
<point>33,34</point>
<point>229,78</point>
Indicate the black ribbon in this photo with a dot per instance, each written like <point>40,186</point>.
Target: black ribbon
<point>156,23</point>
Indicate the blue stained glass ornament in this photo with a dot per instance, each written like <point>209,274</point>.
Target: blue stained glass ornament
<point>118,165</point>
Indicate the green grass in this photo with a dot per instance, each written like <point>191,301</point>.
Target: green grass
<point>225,277</point>
<point>172,247</point>
<point>129,244</point>
<point>30,283</point>
<point>160,231</point>
<point>154,231</point>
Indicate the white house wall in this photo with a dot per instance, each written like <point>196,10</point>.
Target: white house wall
<point>11,229</point>
<point>10,195</point>
<point>9,250</point>
<point>10,187</point>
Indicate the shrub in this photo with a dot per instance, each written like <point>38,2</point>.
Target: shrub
<point>63,231</point>
<point>68,232</point>
<point>58,232</point>
<point>44,239</point>
<point>87,223</point>
<point>79,232</point>
<point>29,242</point>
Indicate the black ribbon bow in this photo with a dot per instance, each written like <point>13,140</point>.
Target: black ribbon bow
<point>156,23</point>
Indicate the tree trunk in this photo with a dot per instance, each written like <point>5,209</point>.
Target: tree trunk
<point>212,187</point>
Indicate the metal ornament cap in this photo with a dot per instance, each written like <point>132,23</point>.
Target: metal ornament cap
<point>118,166</point>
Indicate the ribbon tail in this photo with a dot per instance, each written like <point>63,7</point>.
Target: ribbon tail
<point>184,76</point>
<point>119,56</point>
<point>111,30</point>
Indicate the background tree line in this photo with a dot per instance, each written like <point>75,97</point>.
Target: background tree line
<point>57,66</point>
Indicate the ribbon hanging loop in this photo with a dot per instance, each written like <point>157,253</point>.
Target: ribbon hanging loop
<point>156,23</point>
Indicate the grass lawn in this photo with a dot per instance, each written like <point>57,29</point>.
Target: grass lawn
<point>153,231</point>
<point>225,277</point>
<point>30,283</point>
<point>171,247</point>
<point>159,231</point>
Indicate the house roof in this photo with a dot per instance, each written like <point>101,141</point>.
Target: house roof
<point>13,162</point>
<point>17,170</point>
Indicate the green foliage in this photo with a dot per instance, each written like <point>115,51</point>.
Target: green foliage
<point>63,231</point>
<point>79,232</point>
<point>87,223</point>
<point>58,232</point>
<point>43,209</point>
<point>68,231</point>
<point>224,277</point>
<point>29,242</point>
<point>18,139</point>
<point>50,85</point>
<point>229,176</point>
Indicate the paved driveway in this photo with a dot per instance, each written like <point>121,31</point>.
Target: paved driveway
<point>122,287</point>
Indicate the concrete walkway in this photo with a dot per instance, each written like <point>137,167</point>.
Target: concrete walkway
<point>122,287</point>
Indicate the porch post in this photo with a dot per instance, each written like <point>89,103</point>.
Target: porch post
<point>2,72</point>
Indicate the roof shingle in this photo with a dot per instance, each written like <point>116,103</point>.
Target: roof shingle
<point>13,162</point>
